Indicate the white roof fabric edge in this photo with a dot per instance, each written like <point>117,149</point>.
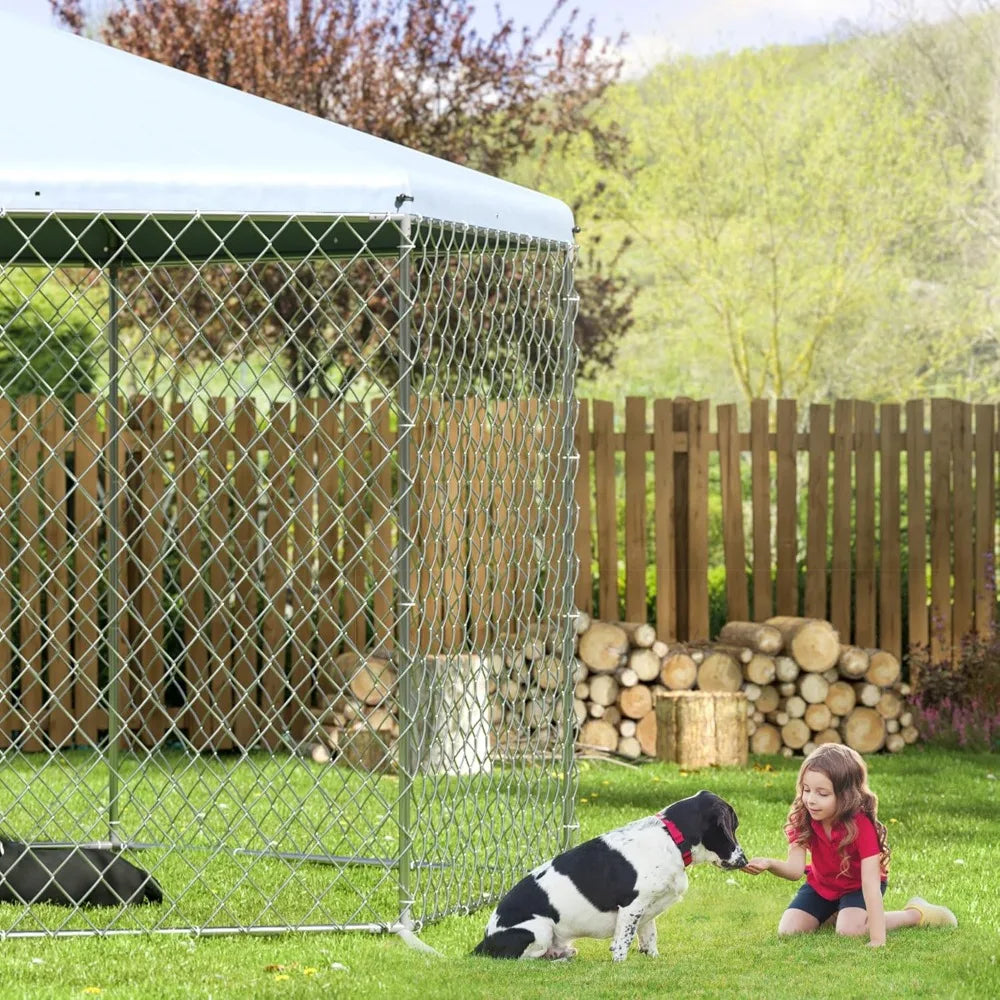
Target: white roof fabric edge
<point>97,130</point>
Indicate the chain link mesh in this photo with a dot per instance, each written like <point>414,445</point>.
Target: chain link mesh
<point>285,563</point>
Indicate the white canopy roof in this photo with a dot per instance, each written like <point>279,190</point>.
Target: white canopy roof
<point>88,129</point>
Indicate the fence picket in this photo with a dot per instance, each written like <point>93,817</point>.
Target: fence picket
<point>663,514</point>
<point>942,437</point>
<point>864,525</point>
<point>916,525</point>
<point>734,545</point>
<point>985,567</point>
<point>817,511</point>
<point>786,511</point>
<point>760,478</point>
<point>963,575</point>
<point>843,492</point>
<point>890,631</point>
<point>635,508</point>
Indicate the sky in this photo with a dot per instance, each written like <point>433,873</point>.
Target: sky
<point>659,27</point>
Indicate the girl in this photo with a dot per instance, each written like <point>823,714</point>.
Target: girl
<point>835,819</point>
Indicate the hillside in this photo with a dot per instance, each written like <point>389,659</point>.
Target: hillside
<point>813,221</point>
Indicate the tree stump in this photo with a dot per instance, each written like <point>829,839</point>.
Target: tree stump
<point>702,728</point>
<point>452,716</point>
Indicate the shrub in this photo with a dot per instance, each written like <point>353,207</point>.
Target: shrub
<point>959,706</point>
<point>48,340</point>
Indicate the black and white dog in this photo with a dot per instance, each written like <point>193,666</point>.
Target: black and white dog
<point>615,885</point>
<point>72,876</point>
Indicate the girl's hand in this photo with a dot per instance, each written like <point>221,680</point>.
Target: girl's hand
<point>757,865</point>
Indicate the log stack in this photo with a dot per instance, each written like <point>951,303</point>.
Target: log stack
<point>803,686</point>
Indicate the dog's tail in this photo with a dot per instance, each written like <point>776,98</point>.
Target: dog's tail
<point>509,943</point>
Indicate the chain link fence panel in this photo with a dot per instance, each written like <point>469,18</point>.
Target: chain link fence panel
<point>286,564</point>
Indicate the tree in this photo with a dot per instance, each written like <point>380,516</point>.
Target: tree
<point>415,72</point>
<point>788,208</point>
<point>51,339</point>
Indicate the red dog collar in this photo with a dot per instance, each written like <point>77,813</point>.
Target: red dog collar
<point>678,838</point>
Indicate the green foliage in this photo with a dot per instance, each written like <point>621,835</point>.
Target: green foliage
<point>49,339</point>
<point>959,706</point>
<point>810,221</point>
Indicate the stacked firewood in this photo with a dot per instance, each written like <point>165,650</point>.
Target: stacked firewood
<point>803,687</point>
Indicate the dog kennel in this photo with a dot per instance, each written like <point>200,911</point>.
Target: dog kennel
<point>286,467</point>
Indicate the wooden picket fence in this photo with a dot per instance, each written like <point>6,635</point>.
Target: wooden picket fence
<point>888,513</point>
<point>256,543</point>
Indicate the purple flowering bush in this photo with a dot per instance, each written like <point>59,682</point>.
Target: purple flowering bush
<point>958,705</point>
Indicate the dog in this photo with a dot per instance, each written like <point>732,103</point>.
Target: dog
<point>615,885</point>
<point>72,876</point>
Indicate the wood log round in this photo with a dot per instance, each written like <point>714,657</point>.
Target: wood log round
<point>894,743</point>
<point>883,668</point>
<point>811,642</point>
<point>645,663</point>
<point>891,725</point>
<point>702,728</point>
<point>645,733</point>
<point>596,711</point>
<point>890,705</point>
<point>779,718</point>
<point>581,621</point>
<point>910,734</point>
<point>635,702</point>
<point>868,694</point>
<point>818,717</point>
<point>660,648</point>
<point>579,711</point>
<point>766,739</point>
<point>852,662</point>
<point>795,707</point>
<point>787,689</point>
<point>603,689</point>
<point>864,730</point>
<point>629,748</point>
<point>785,669</point>
<point>906,718</point>
<point>752,691</point>
<point>761,638</point>
<point>640,634</point>
<point>598,735</point>
<point>613,714</point>
<point>840,697</point>
<point>830,735</point>
<point>581,690</point>
<point>626,677</point>
<point>548,672</point>
<point>602,647</point>
<point>760,669</point>
<point>768,699</point>
<point>795,733</point>
<point>719,671</point>
<point>627,727</point>
<point>373,680</point>
<point>814,688</point>
<point>678,672</point>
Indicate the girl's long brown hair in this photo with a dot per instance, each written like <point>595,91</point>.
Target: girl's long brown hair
<point>848,774</point>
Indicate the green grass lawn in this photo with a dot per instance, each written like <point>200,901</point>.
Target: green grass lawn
<point>941,810</point>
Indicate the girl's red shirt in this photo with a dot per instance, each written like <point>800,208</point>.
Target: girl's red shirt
<point>823,874</point>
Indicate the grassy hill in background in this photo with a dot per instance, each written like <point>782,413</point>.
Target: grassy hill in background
<point>816,221</point>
